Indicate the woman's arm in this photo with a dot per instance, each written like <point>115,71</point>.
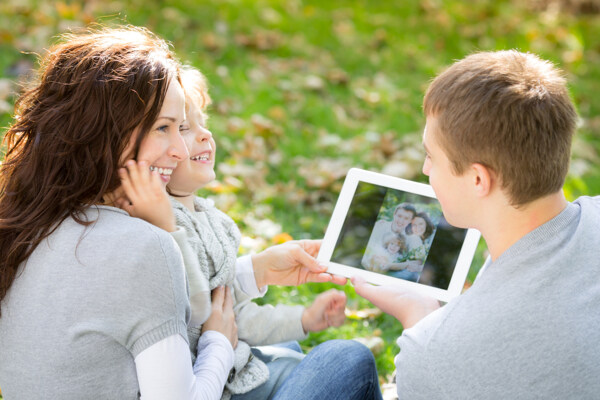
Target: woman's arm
<point>163,368</point>
<point>164,372</point>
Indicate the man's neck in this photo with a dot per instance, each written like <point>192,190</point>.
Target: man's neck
<point>509,224</point>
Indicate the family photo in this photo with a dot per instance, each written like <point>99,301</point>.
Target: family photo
<point>168,171</point>
<point>399,246</point>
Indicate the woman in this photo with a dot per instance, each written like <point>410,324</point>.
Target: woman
<point>420,231</point>
<point>94,302</point>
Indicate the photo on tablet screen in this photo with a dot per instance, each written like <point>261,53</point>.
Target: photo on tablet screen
<point>398,234</point>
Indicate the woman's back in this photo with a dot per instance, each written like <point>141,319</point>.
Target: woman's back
<point>89,300</point>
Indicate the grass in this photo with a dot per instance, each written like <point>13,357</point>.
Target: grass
<point>304,90</point>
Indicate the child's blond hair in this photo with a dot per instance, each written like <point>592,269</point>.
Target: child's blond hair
<point>196,90</point>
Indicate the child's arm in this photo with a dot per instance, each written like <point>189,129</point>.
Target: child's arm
<point>290,264</point>
<point>267,324</point>
<point>146,197</point>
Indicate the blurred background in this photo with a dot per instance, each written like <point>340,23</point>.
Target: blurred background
<point>305,89</point>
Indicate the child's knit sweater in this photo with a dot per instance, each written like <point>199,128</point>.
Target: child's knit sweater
<point>209,243</point>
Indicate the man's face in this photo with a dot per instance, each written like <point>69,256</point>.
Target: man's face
<point>402,218</point>
<point>449,188</point>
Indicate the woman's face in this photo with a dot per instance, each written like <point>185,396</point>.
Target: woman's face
<point>198,168</point>
<point>163,147</point>
<point>418,226</point>
<point>402,218</point>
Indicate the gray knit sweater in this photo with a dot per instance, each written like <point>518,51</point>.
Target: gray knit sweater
<point>209,243</point>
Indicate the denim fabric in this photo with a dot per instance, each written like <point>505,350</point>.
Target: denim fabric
<point>281,359</point>
<point>334,370</point>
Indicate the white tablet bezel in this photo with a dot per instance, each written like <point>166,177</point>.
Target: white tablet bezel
<point>338,217</point>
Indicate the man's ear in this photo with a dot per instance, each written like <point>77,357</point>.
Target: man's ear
<point>483,179</point>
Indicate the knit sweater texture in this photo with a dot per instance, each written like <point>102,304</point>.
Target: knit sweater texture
<point>86,302</point>
<point>209,249</point>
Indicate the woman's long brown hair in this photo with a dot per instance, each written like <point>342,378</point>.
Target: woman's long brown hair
<point>70,131</point>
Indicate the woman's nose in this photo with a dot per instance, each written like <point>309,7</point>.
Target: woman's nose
<point>177,148</point>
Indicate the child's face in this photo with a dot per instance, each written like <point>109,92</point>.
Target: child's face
<point>452,191</point>
<point>393,247</point>
<point>199,168</point>
<point>418,226</point>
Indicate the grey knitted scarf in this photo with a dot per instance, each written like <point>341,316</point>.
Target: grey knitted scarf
<point>214,237</point>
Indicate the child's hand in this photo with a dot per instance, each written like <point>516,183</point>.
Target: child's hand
<point>327,310</point>
<point>145,196</point>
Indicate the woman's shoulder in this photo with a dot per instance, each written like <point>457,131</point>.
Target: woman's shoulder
<point>114,233</point>
<point>413,241</point>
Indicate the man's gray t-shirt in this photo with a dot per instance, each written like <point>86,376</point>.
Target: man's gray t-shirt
<point>529,327</point>
<point>87,302</point>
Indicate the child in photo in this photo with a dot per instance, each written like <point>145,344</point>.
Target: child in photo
<point>393,248</point>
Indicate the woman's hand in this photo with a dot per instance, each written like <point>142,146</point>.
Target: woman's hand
<point>222,318</point>
<point>327,310</point>
<point>406,306</point>
<point>146,197</point>
<point>291,264</point>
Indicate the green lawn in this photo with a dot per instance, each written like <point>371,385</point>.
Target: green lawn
<point>304,90</point>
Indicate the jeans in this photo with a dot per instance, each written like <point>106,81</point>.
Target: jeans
<point>281,359</point>
<point>334,370</point>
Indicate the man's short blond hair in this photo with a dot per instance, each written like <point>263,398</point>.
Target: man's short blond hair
<point>509,111</point>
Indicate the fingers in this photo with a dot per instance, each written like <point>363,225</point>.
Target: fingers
<point>307,260</point>
<point>363,288</point>
<point>228,300</point>
<point>312,247</point>
<point>218,298</point>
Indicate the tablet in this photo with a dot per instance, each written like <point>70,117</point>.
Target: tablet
<point>393,231</point>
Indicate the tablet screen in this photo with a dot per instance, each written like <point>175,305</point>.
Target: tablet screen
<point>399,234</point>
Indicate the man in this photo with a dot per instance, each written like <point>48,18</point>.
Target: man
<point>498,138</point>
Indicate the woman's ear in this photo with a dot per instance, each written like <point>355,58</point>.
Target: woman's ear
<point>483,179</point>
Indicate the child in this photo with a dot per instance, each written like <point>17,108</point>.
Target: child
<point>209,243</point>
<point>498,139</point>
<point>379,259</point>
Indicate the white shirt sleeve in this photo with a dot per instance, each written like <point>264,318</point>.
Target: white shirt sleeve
<point>244,274</point>
<point>164,372</point>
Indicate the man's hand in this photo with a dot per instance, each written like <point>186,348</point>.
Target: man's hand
<point>406,306</point>
<point>146,198</point>
<point>327,310</point>
<point>291,264</point>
